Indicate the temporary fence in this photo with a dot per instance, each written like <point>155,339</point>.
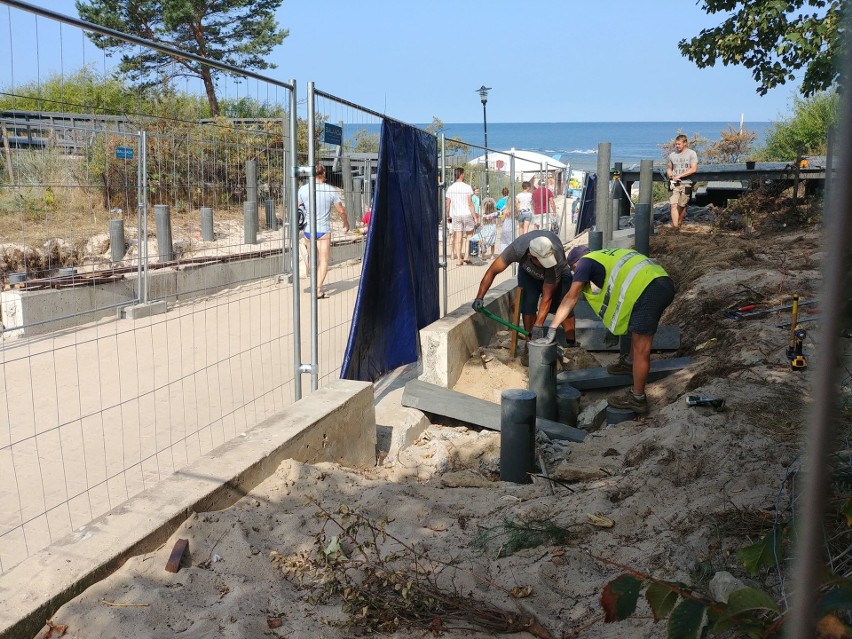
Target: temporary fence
<point>178,323</point>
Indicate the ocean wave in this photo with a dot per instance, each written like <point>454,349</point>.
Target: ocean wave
<point>583,151</point>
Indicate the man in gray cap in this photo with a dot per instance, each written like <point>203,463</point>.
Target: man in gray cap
<point>543,276</point>
<point>630,293</point>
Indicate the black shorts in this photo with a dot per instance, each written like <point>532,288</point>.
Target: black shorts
<point>649,308</point>
<point>532,292</point>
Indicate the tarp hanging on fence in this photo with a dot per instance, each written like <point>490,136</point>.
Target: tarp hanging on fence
<point>586,215</point>
<point>398,293</point>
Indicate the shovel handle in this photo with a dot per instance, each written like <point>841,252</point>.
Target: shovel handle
<point>500,320</point>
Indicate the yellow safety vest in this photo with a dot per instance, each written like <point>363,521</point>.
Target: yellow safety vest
<point>628,273</point>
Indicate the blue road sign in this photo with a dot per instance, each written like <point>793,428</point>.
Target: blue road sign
<point>332,134</point>
<point>124,152</point>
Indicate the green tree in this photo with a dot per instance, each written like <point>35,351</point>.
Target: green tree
<point>806,130</point>
<point>240,33</point>
<point>775,39</point>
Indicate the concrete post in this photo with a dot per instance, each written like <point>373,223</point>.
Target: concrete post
<point>595,240</point>
<point>348,189</point>
<point>116,239</point>
<point>271,222</point>
<point>542,378</point>
<point>250,222</point>
<point>646,190</point>
<point>251,184</point>
<point>641,236</point>
<point>567,404</point>
<point>207,224</point>
<point>517,435</point>
<point>603,219</point>
<point>164,232</point>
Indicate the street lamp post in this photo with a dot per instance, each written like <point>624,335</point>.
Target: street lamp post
<point>483,95</point>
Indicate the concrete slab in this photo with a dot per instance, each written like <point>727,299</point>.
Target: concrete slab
<point>146,309</point>
<point>593,378</point>
<point>336,423</point>
<point>472,410</point>
<point>401,426</point>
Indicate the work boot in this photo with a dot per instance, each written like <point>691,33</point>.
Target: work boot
<point>621,367</point>
<point>629,401</point>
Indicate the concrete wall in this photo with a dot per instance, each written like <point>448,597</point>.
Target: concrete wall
<point>337,424</point>
<point>447,344</point>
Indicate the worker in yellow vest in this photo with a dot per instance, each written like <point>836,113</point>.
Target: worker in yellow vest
<point>629,291</point>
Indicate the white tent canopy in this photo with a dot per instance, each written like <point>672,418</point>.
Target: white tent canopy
<point>527,163</point>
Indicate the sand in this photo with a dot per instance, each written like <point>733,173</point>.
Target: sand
<point>684,487</point>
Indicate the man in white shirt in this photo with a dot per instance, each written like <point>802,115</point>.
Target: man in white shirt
<point>460,211</point>
<point>682,163</point>
<point>327,198</point>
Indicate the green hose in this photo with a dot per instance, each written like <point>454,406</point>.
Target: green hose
<point>500,320</point>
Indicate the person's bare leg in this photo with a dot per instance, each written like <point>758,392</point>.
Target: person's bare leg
<point>457,246</point>
<point>528,320</point>
<point>323,245</point>
<point>675,216</point>
<point>640,352</point>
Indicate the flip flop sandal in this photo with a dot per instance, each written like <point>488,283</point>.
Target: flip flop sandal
<point>321,295</point>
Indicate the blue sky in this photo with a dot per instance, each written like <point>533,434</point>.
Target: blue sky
<point>566,61</point>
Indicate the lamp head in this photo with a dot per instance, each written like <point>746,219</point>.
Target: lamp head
<point>483,93</point>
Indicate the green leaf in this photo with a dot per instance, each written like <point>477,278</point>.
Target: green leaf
<point>747,599</point>
<point>839,598</point>
<point>662,599</point>
<point>686,620</point>
<point>766,552</point>
<point>846,511</point>
<point>619,597</point>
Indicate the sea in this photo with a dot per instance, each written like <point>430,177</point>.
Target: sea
<point>576,143</point>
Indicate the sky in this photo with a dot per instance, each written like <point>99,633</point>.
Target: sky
<point>564,61</point>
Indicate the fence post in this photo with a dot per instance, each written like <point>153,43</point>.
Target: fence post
<point>207,224</point>
<point>646,190</point>
<point>164,232</point>
<point>251,186</point>
<point>116,239</point>
<point>348,189</point>
<point>603,219</point>
<point>250,222</point>
<point>271,222</point>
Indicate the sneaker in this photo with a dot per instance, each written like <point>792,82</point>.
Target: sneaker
<point>621,367</point>
<point>629,401</point>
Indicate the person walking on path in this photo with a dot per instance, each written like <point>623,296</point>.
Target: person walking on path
<point>683,162</point>
<point>544,278</point>
<point>631,293</point>
<point>544,206</point>
<point>459,209</point>
<point>523,203</point>
<point>327,199</point>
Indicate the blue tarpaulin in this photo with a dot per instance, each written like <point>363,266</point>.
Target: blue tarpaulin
<point>398,293</point>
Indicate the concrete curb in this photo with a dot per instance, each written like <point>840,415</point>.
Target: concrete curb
<point>336,424</point>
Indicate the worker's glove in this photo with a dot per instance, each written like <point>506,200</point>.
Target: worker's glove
<point>548,338</point>
<point>478,304</point>
<point>538,332</point>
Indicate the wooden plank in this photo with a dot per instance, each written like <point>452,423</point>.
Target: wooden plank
<point>181,547</point>
<point>594,378</point>
<point>431,398</point>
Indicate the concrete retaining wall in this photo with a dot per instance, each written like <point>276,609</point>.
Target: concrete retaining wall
<point>337,424</point>
<point>447,344</point>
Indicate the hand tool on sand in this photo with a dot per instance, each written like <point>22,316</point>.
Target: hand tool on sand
<point>738,315</point>
<point>794,324</point>
<point>500,320</point>
<point>716,403</point>
<point>798,361</point>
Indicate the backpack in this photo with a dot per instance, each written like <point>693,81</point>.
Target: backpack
<point>303,216</point>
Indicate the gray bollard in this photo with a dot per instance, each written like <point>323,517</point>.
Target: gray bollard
<point>207,224</point>
<point>595,240</point>
<point>116,239</point>
<point>271,222</point>
<point>164,232</point>
<point>646,189</point>
<point>250,222</point>
<point>618,415</point>
<point>567,404</point>
<point>517,435</point>
<point>251,181</point>
<point>641,234</point>
<point>542,378</point>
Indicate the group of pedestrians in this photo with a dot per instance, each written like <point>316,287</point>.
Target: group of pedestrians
<point>474,222</point>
